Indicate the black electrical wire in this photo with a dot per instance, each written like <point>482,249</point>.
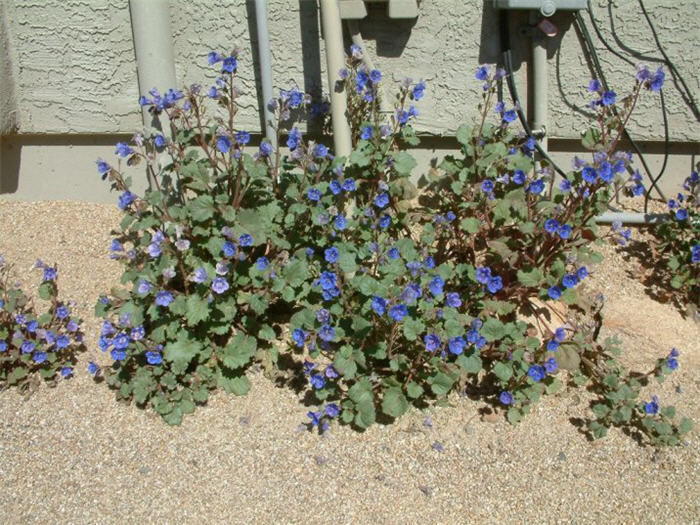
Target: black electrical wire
<point>593,56</point>
<point>688,95</point>
<point>504,37</point>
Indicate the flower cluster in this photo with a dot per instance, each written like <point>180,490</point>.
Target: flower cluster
<point>32,343</point>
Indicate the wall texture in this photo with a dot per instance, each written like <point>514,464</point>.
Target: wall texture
<point>76,71</point>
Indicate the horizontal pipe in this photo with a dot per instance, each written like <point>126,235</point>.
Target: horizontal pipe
<point>631,218</point>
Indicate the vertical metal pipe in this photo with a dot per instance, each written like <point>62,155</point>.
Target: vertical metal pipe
<point>335,61</point>
<point>539,84</point>
<point>153,46</point>
<point>265,66</point>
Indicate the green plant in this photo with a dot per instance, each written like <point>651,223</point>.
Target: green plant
<point>35,345</point>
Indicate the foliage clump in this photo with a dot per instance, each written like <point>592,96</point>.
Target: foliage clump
<point>36,345</point>
<point>389,295</point>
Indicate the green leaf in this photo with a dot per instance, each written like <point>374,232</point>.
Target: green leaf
<point>412,328</point>
<point>530,278</point>
<point>414,390</point>
<point>470,364</point>
<point>394,403</point>
<point>233,382</point>
<point>503,371</point>
<point>239,351</point>
<point>492,330</point>
<point>464,135</point>
<point>202,208</point>
<point>183,350</point>
<point>197,309</point>
<point>470,225</point>
<point>404,163</point>
<point>441,384</point>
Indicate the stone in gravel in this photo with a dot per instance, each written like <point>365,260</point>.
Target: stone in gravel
<point>561,456</point>
<point>426,490</point>
<point>144,470</point>
<point>320,460</point>
<point>244,420</point>
<point>428,422</point>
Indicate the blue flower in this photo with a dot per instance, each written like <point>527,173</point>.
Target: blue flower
<point>33,325</point>
<point>487,186</point>
<point>340,223</point>
<point>121,341</point>
<point>159,141</point>
<point>262,263</point>
<point>536,186</point>
<point>436,285</point>
<point>266,148</point>
<point>550,365</point>
<point>418,90</point>
<point>379,305</point>
<point>39,357</point>
<point>367,133</point>
<point>326,333</point>
<point>453,299</point>
<point>164,298</point>
<point>495,284</point>
<point>565,185</point>
<point>299,337</point>
<point>553,345</point>
<point>537,373</point>
<point>652,407</point>
<point>199,275</point>
<point>317,381</point>
<point>569,280</point>
<point>393,253</point>
<point>332,410</point>
<point>3,346</point>
<point>605,172</point>
<point>102,167</point>
<point>242,137</point>
<point>154,358</point>
<point>245,240</point>
<point>313,194</point>
<point>138,333</point>
<point>432,342</point>
<point>564,231</point>
<point>483,274</point>
<point>429,263</point>
<point>349,184</point>
<point>695,254</point>
<point>223,144</point>
<point>398,312</point>
<point>509,116</point>
<point>323,316</point>
<point>62,312</point>
<point>118,355</point>
<point>62,341</point>
<point>219,285</point>
<point>608,98</point>
<point>384,221</point>
<point>331,254</point>
<point>294,139</point>
<point>213,57</point>
<point>482,73</point>
<point>328,280</point>
<point>93,368</point>
<point>554,292</point>
<point>506,398</point>
<point>229,250</point>
<point>123,149</point>
<point>551,225</point>
<point>229,65</point>
<point>335,187</point>
<point>657,81</point>
<point>594,85</point>
<point>154,249</point>
<point>381,200</point>
<point>411,293</point>
<point>519,177</point>
<point>315,418</point>
<point>331,372</point>
<point>321,151</point>
<point>589,174</point>
<point>375,76</point>
<point>125,199</point>
<point>27,347</point>
<point>116,246</point>
<point>582,273</point>
<point>456,345</point>
<point>681,214</point>
<point>672,363</point>
<point>560,334</point>
<point>66,371</point>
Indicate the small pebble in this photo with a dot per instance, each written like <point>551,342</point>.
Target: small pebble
<point>438,446</point>
<point>426,490</point>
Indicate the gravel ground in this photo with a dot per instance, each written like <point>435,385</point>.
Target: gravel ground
<point>71,454</point>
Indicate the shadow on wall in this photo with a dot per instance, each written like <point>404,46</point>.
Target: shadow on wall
<point>9,165</point>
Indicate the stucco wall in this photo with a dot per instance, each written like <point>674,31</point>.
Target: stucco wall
<point>75,70</point>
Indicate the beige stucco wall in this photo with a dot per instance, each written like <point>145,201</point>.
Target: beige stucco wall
<point>76,70</point>
<point>68,66</point>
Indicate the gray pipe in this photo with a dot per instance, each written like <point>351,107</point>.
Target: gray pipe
<point>265,67</point>
<point>153,46</point>
<point>631,218</point>
<point>540,83</point>
<point>335,61</point>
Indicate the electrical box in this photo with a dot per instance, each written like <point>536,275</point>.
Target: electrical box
<point>546,7</point>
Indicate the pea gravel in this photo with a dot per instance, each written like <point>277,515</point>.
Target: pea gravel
<point>71,454</point>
